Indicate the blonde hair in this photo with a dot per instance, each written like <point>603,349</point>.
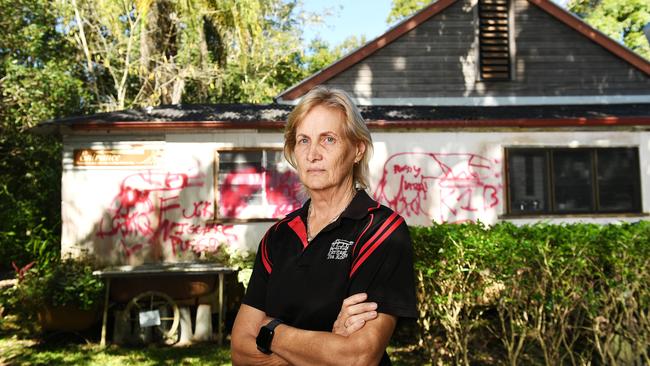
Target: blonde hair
<point>354,127</point>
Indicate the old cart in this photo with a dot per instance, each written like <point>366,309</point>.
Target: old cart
<point>151,293</point>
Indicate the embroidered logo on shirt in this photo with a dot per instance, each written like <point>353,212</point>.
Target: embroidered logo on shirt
<point>339,249</point>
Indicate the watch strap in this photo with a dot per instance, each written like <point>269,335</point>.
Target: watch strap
<point>273,323</point>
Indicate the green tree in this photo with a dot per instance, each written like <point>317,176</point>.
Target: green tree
<point>320,54</point>
<point>151,52</point>
<point>37,82</point>
<point>405,8</point>
<point>622,20</point>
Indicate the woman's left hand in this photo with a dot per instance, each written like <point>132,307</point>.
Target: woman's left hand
<point>354,314</point>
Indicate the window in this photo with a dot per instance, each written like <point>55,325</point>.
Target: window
<point>255,184</point>
<point>567,181</point>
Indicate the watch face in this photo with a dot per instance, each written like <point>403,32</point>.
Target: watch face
<point>264,338</point>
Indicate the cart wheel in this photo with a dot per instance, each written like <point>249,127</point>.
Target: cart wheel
<point>167,310</point>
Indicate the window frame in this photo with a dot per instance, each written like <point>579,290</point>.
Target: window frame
<point>550,182</point>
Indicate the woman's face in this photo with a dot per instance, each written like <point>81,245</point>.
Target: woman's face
<point>324,155</point>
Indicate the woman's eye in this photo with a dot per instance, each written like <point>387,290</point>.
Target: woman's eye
<point>330,139</point>
<point>302,141</point>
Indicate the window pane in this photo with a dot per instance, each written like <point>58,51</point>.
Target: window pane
<point>573,180</point>
<point>528,181</point>
<point>256,184</point>
<point>618,181</point>
<point>232,160</point>
<point>241,182</point>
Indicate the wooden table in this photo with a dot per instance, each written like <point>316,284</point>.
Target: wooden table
<point>166,269</point>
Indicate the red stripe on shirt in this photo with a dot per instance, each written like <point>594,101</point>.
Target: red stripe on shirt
<point>265,255</point>
<point>381,229</point>
<point>376,245</point>
<point>299,228</point>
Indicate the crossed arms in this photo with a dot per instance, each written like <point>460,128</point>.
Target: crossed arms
<point>359,337</point>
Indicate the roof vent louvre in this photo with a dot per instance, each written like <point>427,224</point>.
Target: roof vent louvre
<point>494,43</point>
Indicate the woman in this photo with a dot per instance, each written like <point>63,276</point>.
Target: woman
<point>332,278</point>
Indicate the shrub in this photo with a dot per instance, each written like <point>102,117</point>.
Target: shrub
<point>68,282</point>
<point>553,294</point>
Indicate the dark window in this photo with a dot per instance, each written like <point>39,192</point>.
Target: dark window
<point>582,180</point>
<point>255,184</point>
<point>618,180</point>
<point>572,180</point>
<point>494,39</point>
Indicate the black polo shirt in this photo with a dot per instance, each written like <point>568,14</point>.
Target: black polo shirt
<point>367,249</point>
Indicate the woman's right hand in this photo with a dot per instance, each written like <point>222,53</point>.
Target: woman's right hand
<point>354,314</point>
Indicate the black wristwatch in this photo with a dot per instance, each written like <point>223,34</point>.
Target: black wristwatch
<point>265,336</point>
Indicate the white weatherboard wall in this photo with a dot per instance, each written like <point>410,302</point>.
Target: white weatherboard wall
<point>162,212</point>
<point>460,176</point>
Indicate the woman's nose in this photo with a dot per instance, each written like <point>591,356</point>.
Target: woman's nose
<point>313,153</point>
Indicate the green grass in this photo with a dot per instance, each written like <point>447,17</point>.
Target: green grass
<point>21,346</point>
<point>15,351</point>
<point>27,352</point>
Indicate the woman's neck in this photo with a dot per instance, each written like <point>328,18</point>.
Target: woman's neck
<point>332,202</point>
<point>326,208</point>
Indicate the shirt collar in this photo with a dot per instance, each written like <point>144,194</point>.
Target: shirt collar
<point>358,208</point>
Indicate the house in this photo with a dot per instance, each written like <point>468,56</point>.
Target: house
<point>484,110</point>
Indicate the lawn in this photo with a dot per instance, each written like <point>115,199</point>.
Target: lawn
<point>22,346</point>
<point>15,351</point>
<point>18,347</point>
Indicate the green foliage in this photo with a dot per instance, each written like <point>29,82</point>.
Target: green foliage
<point>404,8</point>
<point>34,93</point>
<point>30,189</point>
<point>321,54</point>
<point>37,82</point>
<point>622,20</point>
<point>540,294</point>
<point>68,282</point>
<point>146,53</point>
<point>29,31</point>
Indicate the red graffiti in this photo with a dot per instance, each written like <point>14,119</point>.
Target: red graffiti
<point>203,238</point>
<point>201,209</point>
<point>129,250</point>
<point>249,187</point>
<point>149,210</point>
<point>464,184</point>
<point>237,189</point>
<point>146,211</point>
<point>126,221</point>
<point>407,168</point>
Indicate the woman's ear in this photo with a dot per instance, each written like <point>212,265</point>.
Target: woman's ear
<point>361,149</point>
